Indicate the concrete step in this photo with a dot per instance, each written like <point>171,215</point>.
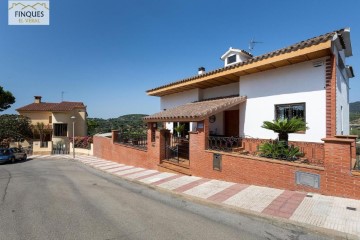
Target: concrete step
<point>169,167</point>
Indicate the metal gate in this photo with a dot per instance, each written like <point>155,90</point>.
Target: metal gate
<point>176,148</point>
<point>60,148</point>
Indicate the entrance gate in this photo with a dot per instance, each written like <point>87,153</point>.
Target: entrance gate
<point>60,148</point>
<point>177,149</point>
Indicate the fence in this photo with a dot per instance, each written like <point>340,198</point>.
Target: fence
<point>133,140</point>
<point>227,144</point>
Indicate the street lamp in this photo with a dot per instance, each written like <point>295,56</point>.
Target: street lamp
<point>73,143</point>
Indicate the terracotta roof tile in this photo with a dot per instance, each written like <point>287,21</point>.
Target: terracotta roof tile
<point>195,111</point>
<point>300,45</point>
<point>52,107</point>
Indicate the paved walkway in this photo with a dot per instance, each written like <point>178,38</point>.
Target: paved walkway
<point>340,214</point>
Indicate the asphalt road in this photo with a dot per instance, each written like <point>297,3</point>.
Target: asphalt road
<point>64,199</point>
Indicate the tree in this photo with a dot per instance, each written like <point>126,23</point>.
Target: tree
<point>42,130</point>
<point>180,129</point>
<point>92,125</point>
<point>15,127</point>
<point>285,126</point>
<point>6,99</point>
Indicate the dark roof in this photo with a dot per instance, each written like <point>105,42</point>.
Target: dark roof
<point>300,45</point>
<point>195,111</point>
<point>247,53</point>
<point>52,107</point>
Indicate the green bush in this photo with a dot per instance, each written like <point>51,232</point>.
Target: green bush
<point>279,150</point>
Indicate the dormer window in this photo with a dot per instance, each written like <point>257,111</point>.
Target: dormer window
<point>231,59</point>
<point>234,55</point>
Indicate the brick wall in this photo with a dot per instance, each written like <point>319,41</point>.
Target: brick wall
<point>336,177</point>
<point>107,148</point>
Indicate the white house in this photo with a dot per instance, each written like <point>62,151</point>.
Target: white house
<point>309,79</point>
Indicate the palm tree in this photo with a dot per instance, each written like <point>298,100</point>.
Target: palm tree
<point>180,129</point>
<point>285,126</point>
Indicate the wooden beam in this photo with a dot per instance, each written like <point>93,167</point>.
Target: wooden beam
<point>249,68</point>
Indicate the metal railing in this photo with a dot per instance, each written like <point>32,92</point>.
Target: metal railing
<point>226,144</point>
<point>133,140</point>
<point>357,164</point>
<point>60,149</point>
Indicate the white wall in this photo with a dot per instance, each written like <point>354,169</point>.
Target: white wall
<point>169,126</point>
<point>176,99</point>
<point>342,97</point>
<point>342,105</point>
<point>291,84</point>
<point>217,127</point>
<point>220,91</point>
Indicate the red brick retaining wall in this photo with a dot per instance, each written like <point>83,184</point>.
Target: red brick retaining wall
<point>336,177</point>
<point>106,149</point>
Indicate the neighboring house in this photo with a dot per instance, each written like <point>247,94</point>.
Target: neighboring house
<point>309,79</point>
<point>56,118</point>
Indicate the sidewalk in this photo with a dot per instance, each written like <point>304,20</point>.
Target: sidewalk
<point>339,214</point>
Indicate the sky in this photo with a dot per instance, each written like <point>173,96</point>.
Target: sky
<point>108,53</point>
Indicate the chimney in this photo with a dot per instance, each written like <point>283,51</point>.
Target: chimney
<point>37,99</point>
<point>201,70</point>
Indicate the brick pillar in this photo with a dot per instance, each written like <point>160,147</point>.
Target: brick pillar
<point>331,96</point>
<point>353,146</point>
<point>155,150</point>
<point>198,144</point>
<point>337,164</point>
<point>162,142</point>
<point>151,127</point>
<point>114,135</point>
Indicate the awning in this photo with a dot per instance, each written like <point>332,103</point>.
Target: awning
<point>196,111</point>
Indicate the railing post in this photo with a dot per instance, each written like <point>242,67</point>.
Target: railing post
<point>114,135</point>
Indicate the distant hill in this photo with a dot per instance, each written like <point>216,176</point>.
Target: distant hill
<point>355,112</point>
<point>355,107</point>
<point>131,123</point>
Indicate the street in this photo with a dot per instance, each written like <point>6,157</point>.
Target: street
<point>64,199</point>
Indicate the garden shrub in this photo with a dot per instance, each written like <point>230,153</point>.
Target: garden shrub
<point>279,150</point>
<point>83,142</point>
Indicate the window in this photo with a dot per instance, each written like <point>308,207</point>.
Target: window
<point>290,110</point>
<point>60,130</point>
<point>50,119</point>
<point>231,59</point>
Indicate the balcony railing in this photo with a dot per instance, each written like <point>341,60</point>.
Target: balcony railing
<point>226,144</point>
<point>133,140</point>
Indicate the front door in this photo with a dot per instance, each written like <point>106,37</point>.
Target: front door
<point>231,123</point>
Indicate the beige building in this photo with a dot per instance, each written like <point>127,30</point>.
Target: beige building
<point>57,119</point>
